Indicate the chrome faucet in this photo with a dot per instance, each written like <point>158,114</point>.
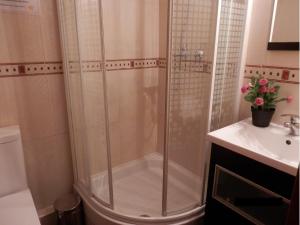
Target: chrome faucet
<point>293,124</point>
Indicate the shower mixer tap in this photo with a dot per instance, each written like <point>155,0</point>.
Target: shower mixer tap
<point>183,52</point>
<point>199,54</point>
<point>293,124</point>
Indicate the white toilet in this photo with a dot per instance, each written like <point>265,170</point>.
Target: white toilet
<point>16,203</point>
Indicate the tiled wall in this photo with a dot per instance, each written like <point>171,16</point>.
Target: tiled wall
<point>32,96</point>
<point>135,49</point>
<point>131,28</point>
<point>282,66</point>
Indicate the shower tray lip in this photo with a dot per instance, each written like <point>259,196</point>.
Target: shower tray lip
<point>119,218</point>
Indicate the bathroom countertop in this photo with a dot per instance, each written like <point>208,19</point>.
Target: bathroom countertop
<point>266,145</point>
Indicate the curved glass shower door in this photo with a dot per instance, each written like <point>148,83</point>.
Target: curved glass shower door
<point>138,127</point>
<point>81,27</point>
<point>74,90</point>
<point>133,35</point>
<point>192,40</point>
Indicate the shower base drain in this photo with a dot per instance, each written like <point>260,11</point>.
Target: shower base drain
<point>144,215</point>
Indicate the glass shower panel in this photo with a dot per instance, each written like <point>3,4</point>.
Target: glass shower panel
<point>93,85</point>
<point>137,164</point>
<point>67,12</point>
<point>133,102</point>
<point>87,89</point>
<point>228,62</point>
<point>192,46</point>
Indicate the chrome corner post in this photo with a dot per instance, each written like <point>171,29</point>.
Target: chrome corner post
<point>107,129</point>
<point>167,104</point>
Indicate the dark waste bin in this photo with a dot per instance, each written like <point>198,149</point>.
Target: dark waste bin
<point>69,210</point>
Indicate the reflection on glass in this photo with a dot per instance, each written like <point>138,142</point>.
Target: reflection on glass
<point>257,204</point>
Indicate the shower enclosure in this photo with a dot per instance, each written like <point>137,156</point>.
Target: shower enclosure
<point>145,81</point>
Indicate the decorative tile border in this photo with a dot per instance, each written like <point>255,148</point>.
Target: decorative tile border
<point>30,69</point>
<point>92,66</point>
<point>280,74</point>
<point>86,66</point>
<point>127,64</point>
<point>162,63</point>
<point>51,68</point>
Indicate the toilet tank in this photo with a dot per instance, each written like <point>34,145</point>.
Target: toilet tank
<point>12,168</point>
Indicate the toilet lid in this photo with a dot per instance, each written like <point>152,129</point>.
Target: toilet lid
<point>18,209</point>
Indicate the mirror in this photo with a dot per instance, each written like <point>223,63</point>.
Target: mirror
<point>284,34</point>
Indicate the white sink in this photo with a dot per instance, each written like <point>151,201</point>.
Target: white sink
<point>266,145</point>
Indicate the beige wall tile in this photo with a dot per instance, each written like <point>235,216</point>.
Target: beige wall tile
<point>89,30</point>
<point>161,109</point>
<point>34,106</point>
<point>8,104</point>
<point>93,96</point>
<point>131,28</point>
<point>95,118</point>
<point>163,27</point>
<point>134,29</point>
<point>22,37</point>
<point>50,31</point>
<point>41,106</point>
<point>49,168</point>
<point>30,38</point>
<point>97,147</point>
<point>133,108</point>
<point>115,143</point>
<point>37,103</point>
<point>58,103</point>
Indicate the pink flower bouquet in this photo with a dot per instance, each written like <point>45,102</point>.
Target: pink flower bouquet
<point>263,93</point>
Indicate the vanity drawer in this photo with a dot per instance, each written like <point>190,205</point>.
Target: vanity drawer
<point>250,200</point>
<point>244,191</point>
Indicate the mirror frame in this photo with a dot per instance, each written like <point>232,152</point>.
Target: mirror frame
<point>280,46</point>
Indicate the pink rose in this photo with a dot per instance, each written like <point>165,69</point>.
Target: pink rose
<point>245,88</point>
<point>272,90</point>
<point>289,99</point>
<point>263,81</point>
<point>259,101</point>
<point>263,89</point>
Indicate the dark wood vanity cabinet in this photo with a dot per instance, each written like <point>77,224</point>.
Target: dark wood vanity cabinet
<point>242,191</point>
